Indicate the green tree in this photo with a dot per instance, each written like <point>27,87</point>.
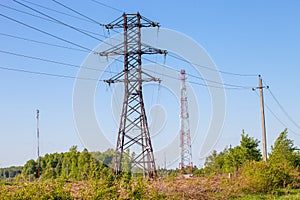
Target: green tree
<point>249,148</point>
<point>30,168</point>
<point>214,163</point>
<point>73,156</point>
<point>231,159</point>
<point>84,164</point>
<point>284,150</point>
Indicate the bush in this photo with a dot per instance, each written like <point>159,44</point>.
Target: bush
<point>257,177</point>
<point>36,190</point>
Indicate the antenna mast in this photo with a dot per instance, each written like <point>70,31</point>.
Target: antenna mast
<point>38,140</point>
<point>186,164</point>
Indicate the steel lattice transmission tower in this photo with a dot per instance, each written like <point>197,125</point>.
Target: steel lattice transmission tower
<point>185,137</point>
<point>133,131</point>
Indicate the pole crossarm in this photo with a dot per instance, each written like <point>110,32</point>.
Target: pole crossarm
<point>118,50</point>
<point>118,78</point>
<point>119,22</point>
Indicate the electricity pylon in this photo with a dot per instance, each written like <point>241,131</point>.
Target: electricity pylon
<point>133,131</point>
<point>186,164</point>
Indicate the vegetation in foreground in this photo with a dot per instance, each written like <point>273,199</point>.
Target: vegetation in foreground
<point>234,173</point>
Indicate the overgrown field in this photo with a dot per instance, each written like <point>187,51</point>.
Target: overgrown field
<point>137,188</point>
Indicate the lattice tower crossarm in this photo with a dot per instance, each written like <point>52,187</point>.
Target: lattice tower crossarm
<point>133,131</point>
<point>185,137</point>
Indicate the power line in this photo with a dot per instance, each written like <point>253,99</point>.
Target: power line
<point>26,39</point>
<point>67,25</point>
<point>40,42</point>
<point>47,74</point>
<point>85,32</point>
<point>49,20</point>
<point>283,110</point>
<point>105,71</point>
<point>89,68</point>
<point>107,6</point>
<point>208,68</point>
<point>206,85</point>
<point>121,61</point>
<point>53,10</point>
<point>44,32</point>
<point>232,86</point>
<point>276,117</point>
<point>195,83</point>
<point>92,20</point>
<point>59,38</point>
<point>88,19</point>
<point>53,61</point>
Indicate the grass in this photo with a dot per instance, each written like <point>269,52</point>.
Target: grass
<point>283,194</point>
<point>165,188</point>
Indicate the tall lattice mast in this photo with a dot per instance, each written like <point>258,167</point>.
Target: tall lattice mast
<point>186,164</point>
<point>133,131</point>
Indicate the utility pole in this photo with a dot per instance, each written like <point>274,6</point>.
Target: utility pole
<point>262,108</point>
<point>185,137</point>
<point>133,131</point>
<point>38,140</point>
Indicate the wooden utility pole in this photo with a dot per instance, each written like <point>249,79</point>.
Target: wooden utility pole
<point>263,123</point>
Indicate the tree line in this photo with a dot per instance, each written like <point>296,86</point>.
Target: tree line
<point>242,163</point>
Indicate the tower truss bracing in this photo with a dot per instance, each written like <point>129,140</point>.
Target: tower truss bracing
<point>185,164</point>
<point>133,133</point>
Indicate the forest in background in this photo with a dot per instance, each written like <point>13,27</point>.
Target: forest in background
<point>235,172</point>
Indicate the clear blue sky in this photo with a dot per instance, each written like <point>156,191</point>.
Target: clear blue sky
<point>247,37</point>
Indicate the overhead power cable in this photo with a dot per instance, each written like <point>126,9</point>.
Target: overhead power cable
<point>65,24</point>
<point>231,85</point>
<point>83,15</point>
<point>87,19</point>
<point>195,83</point>
<point>46,74</point>
<point>108,6</point>
<point>77,66</point>
<point>49,20</point>
<point>208,68</point>
<point>41,42</point>
<point>225,84</point>
<point>53,61</point>
<point>53,10</point>
<point>92,20</point>
<point>283,110</point>
<point>276,117</point>
<point>207,80</point>
<point>44,32</point>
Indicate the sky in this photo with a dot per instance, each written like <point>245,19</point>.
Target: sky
<point>243,37</point>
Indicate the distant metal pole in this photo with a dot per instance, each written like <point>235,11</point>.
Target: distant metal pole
<point>38,140</point>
